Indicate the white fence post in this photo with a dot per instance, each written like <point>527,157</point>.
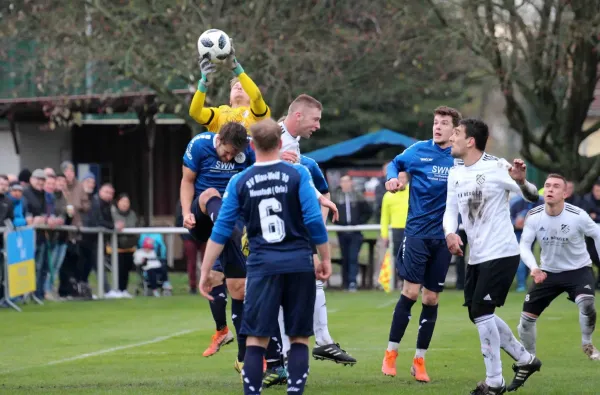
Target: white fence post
<point>114,260</point>
<point>100,264</point>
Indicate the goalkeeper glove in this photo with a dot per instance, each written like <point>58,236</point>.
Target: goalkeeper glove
<point>232,63</point>
<point>207,68</point>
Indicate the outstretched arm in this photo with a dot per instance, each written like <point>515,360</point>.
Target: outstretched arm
<point>198,112</point>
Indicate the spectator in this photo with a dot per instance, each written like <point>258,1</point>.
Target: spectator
<point>76,194</point>
<point>6,213</point>
<point>24,177</point>
<point>591,204</point>
<point>380,191</point>
<point>19,204</point>
<point>394,210</point>
<point>354,210</point>
<point>519,208</point>
<point>153,267</point>
<point>191,248</point>
<point>99,216</point>
<point>124,217</point>
<point>161,253</point>
<point>36,207</point>
<point>55,240</point>
<point>571,198</point>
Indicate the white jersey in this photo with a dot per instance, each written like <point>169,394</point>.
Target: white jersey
<point>561,237</point>
<point>480,193</point>
<point>289,142</point>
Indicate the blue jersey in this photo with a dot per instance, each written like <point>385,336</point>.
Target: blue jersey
<point>278,204</point>
<point>316,174</point>
<point>201,158</point>
<point>428,165</point>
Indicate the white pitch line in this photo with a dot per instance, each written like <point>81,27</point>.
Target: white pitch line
<point>105,351</point>
<point>386,304</point>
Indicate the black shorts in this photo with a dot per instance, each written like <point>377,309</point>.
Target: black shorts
<point>489,282</point>
<point>204,225</point>
<point>573,282</point>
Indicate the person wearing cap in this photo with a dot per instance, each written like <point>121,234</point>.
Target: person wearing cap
<point>15,194</point>
<point>35,197</point>
<point>24,177</point>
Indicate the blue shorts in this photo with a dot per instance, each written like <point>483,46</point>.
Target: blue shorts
<point>425,262</point>
<point>295,292</point>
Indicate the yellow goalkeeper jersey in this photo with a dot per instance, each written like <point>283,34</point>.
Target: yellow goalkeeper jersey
<point>215,117</point>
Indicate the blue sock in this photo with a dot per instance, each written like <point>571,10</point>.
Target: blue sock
<point>237,311</point>
<point>274,357</point>
<point>252,373</point>
<point>401,318</point>
<point>297,368</point>
<point>218,307</point>
<point>426,325</point>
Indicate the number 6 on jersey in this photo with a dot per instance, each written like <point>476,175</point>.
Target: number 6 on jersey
<point>273,227</point>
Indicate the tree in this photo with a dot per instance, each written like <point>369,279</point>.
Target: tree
<point>368,62</point>
<point>544,56</point>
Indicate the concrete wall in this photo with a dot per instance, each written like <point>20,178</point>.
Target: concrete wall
<point>43,148</point>
<point>9,160</point>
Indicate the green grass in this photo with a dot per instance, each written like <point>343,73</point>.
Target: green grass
<point>43,349</point>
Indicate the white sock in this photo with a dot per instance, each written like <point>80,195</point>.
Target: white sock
<point>322,336</point>
<point>527,332</point>
<point>420,353</point>
<point>285,340</point>
<point>393,346</point>
<point>587,317</point>
<point>490,348</point>
<point>510,344</point>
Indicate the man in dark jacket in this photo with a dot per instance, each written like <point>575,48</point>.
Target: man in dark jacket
<point>354,210</point>
<point>6,213</point>
<point>591,203</point>
<point>99,216</point>
<point>35,196</point>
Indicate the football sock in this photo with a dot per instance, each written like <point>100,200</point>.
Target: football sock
<point>426,326</point>
<point>322,336</point>
<point>490,348</point>
<point>527,332</point>
<point>237,310</point>
<point>252,372</point>
<point>218,307</point>
<point>587,317</point>
<point>510,344</point>
<point>400,321</point>
<point>297,368</point>
<point>274,356</point>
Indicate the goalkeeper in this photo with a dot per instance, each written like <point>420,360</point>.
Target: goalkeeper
<point>246,104</point>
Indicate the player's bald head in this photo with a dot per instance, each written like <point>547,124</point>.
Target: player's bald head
<point>304,101</point>
<point>266,135</point>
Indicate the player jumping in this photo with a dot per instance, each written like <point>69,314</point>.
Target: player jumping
<point>425,257</point>
<point>560,228</point>
<point>478,188</point>
<point>302,120</point>
<point>246,104</point>
<point>282,216</point>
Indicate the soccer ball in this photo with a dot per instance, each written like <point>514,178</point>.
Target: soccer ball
<point>214,45</point>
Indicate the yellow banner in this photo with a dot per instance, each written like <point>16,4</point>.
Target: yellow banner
<point>21,278</point>
<point>385,273</point>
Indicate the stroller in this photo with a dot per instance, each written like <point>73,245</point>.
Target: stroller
<point>151,267</point>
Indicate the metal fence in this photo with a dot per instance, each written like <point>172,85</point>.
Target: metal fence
<point>169,233</point>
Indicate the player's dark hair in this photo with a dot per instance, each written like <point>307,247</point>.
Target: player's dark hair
<point>266,135</point>
<point>477,129</point>
<point>304,100</point>
<point>234,134</point>
<point>559,176</point>
<point>450,112</point>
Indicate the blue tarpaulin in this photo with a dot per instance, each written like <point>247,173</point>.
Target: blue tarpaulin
<point>362,146</point>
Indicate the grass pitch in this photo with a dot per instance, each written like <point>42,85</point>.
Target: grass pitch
<point>154,346</point>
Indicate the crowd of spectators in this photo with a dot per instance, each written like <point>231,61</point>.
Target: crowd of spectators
<point>64,260</point>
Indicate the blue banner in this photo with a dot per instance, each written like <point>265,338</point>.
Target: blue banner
<point>20,246</point>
